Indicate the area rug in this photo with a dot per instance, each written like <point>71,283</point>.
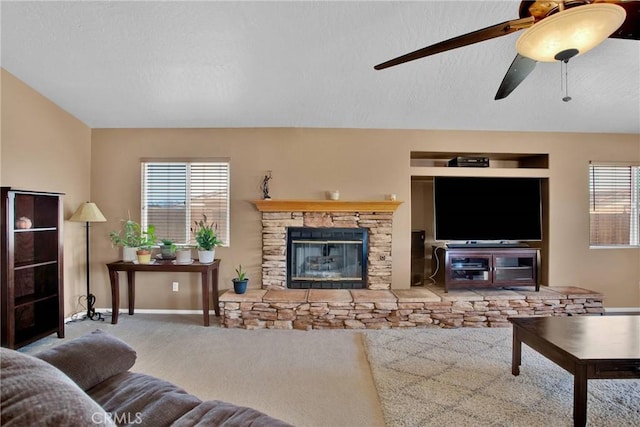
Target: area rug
<point>462,377</point>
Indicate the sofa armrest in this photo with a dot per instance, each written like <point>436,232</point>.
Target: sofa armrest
<point>34,393</point>
<point>91,359</point>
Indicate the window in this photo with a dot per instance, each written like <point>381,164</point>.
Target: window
<point>175,194</point>
<point>614,206</point>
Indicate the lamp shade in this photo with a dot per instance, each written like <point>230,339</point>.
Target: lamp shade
<point>88,212</point>
<point>580,29</point>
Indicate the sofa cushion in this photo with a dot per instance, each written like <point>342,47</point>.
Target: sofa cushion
<point>152,401</point>
<point>91,358</point>
<point>36,393</point>
<point>223,414</point>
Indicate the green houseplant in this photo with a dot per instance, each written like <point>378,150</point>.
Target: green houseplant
<point>168,249</point>
<point>240,281</point>
<point>131,237</point>
<point>207,239</point>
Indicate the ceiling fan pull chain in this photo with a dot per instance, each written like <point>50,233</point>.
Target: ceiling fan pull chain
<point>561,76</point>
<point>566,97</point>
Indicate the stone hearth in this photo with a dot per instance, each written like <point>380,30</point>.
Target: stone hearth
<point>403,308</point>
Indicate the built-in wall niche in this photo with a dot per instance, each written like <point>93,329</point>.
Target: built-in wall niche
<point>440,159</point>
<point>501,165</point>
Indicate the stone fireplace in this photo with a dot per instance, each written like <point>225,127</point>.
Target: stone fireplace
<point>374,220</point>
<point>378,306</point>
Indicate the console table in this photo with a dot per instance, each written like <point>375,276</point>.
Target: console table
<point>209,273</point>
<point>589,347</point>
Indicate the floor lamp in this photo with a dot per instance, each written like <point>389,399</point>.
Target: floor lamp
<point>89,212</point>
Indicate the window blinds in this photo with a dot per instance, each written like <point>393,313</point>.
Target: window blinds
<point>176,194</point>
<point>613,205</point>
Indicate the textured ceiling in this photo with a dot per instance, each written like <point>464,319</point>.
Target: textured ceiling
<point>304,64</point>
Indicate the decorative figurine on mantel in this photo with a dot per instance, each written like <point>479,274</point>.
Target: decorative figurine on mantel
<point>265,186</point>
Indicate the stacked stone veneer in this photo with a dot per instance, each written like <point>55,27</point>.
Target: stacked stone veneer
<point>274,242</point>
<point>408,308</point>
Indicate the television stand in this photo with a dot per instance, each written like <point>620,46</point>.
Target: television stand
<point>486,245</point>
<point>486,267</point>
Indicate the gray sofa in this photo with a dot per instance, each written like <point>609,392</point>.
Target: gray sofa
<point>86,381</point>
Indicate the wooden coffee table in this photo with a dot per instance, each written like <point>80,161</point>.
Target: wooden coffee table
<point>589,347</point>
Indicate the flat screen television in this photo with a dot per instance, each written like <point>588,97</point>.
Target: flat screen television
<point>472,209</point>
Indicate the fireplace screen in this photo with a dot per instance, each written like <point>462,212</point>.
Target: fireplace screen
<point>326,258</point>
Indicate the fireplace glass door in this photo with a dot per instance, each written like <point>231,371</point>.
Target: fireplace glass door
<point>326,258</point>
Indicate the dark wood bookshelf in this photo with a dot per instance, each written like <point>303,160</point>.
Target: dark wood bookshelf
<point>31,267</point>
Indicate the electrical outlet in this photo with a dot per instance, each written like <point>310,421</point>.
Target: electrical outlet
<point>175,286</point>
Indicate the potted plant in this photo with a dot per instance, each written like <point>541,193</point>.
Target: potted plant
<point>130,238</point>
<point>168,249</point>
<point>183,254</point>
<point>240,281</point>
<point>147,241</point>
<point>207,239</point>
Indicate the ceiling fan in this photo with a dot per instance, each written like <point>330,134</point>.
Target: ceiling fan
<point>555,31</point>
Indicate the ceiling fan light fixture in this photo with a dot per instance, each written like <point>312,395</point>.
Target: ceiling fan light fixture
<point>580,28</point>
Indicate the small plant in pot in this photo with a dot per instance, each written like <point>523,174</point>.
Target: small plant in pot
<point>148,239</point>
<point>130,238</point>
<point>207,240</point>
<point>168,249</point>
<point>240,281</point>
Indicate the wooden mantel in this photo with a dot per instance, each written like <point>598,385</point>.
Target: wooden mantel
<point>273,205</point>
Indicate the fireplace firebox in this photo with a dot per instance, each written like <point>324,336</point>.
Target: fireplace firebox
<point>326,258</point>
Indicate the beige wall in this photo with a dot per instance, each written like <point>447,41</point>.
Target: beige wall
<point>305,163</point>
<point>2,72</point>
<point>44,148</point>
<point>362,164</point>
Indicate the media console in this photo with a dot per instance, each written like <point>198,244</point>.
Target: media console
<point>486,245</point>
<point>486,267</point>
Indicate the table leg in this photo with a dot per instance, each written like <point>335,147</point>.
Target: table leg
<point>214,287</point>
<point>115,296</point>
<point>516,352</point>
<point>205,297</point>
<point>132,290</point>
<point>580,396</point>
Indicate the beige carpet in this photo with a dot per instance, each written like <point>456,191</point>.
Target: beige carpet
<point>307,378</point>
<point>462,377</point>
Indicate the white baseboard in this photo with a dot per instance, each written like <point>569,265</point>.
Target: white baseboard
<point>153,311</point>
<point>107,312</point>
<point>617,310</point>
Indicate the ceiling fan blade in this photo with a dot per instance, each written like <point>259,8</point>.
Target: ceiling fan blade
<point>497,30</point>
<point>520,68</point>
<point>630,28</point>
